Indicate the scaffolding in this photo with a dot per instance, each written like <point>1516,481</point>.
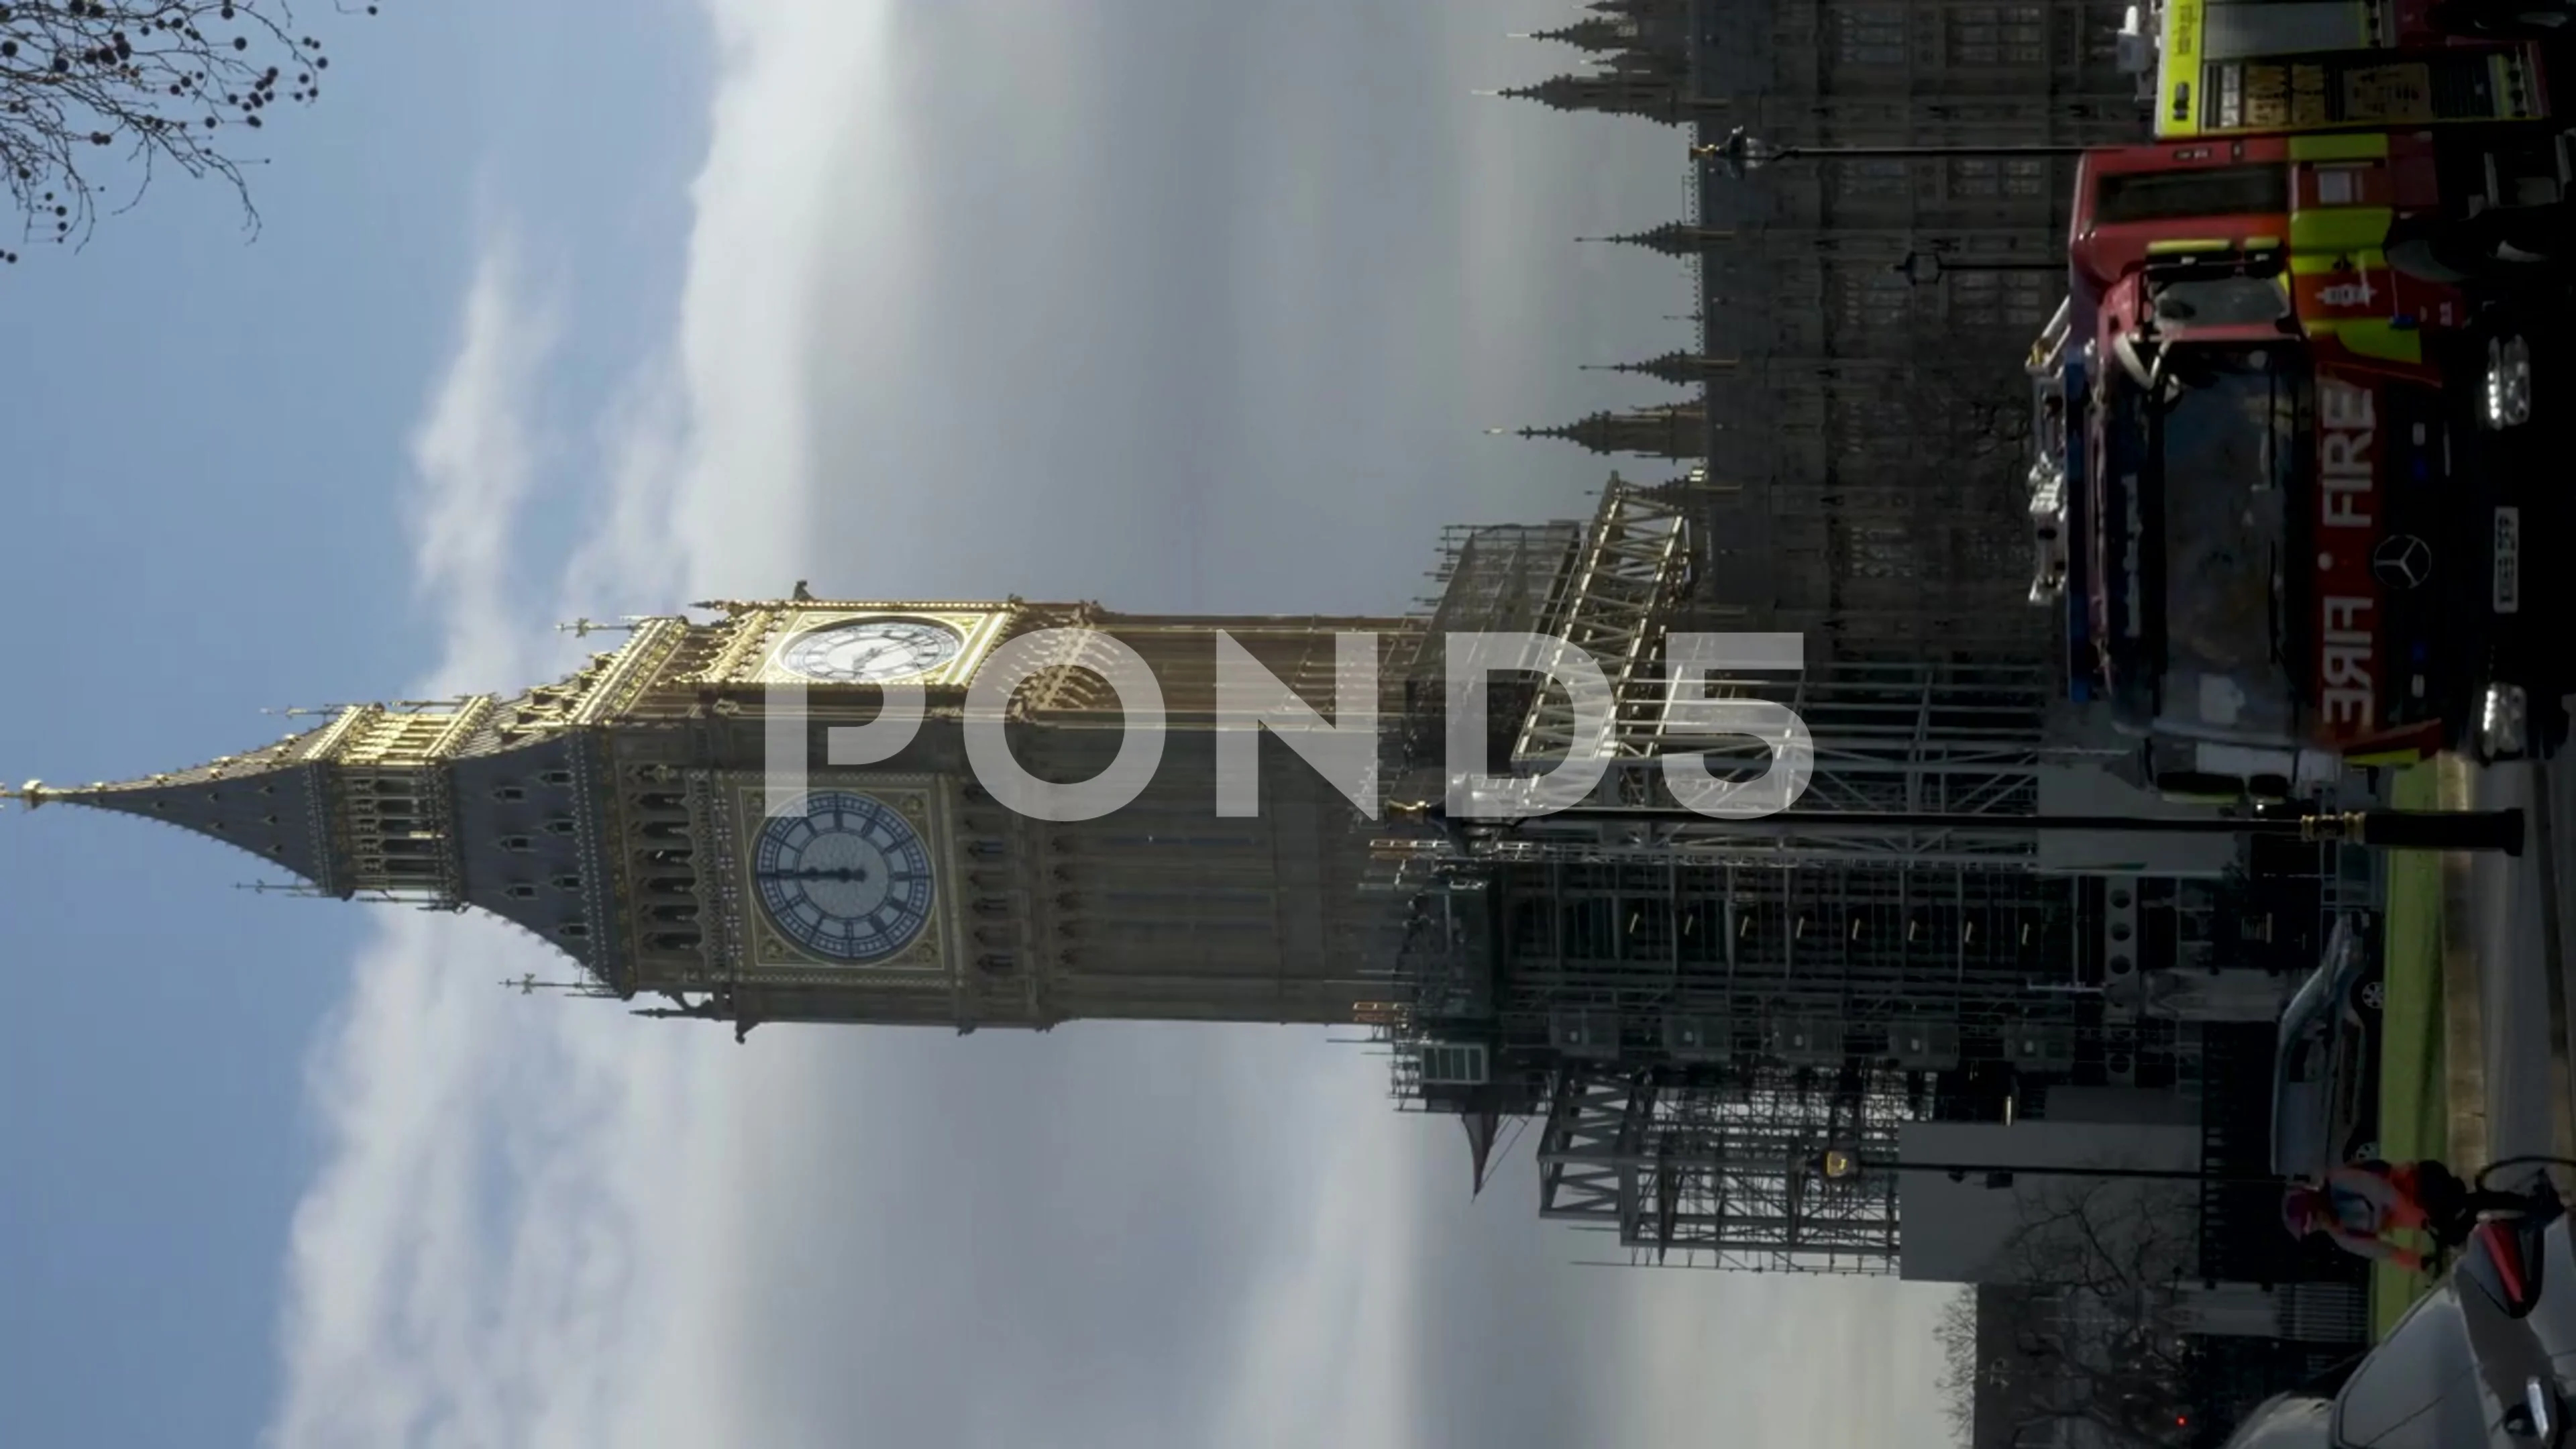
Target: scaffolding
<point>1719,1176</point>
<point>1859,946</point>
<point>1913,737</point>
<point>1696,1008</point>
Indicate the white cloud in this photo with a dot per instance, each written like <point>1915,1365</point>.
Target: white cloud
<point>477,460</point>
<point>523,1229</point>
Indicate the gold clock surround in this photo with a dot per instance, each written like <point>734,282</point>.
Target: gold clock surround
<point>978,629</point>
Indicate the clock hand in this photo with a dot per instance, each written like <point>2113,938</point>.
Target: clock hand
<point>843,873</point>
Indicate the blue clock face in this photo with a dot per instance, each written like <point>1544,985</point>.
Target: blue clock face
<point>845,876</point>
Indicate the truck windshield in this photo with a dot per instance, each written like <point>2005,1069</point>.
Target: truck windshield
<point>2221,460</point>
<point>2135,197</point>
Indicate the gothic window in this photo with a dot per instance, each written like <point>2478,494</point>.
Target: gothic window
<point>1872,180</point>
<point>1186,903</point>
<point>576,929</point>
<point>1998,35</point>
<point>1872,427</point>
<point>1870,35</point>
<point>1190,929</point>
<point>509,792</point>
<point>557,777</point>
<point>567,882</point>
<point>1873,417</point>
<point>2002,299</point>
<point>1871,299</point>
<point>559,827</point>
<point>1989,177</point>
<point>521,892</point>
<point>517,842</point>
<point>1880,551</point>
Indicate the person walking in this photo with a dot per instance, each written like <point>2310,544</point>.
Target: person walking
<point>2360,1203</point>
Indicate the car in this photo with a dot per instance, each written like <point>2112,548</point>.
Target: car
<point>2325,1077</point>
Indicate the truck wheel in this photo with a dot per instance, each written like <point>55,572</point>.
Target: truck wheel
<point>2549,728</point>
<point>2514,245</point>
<point>2418,256</point>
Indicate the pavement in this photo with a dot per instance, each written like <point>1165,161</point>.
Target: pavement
<point>2506,917</point>
<point>2499,1057</point>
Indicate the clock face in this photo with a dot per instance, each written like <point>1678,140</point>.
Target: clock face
<point>844,876</point>
<point>873,651</point>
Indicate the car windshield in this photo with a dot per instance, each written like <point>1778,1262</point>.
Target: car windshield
<point>2418,1389</point>
<point>2222,439</point>
<point>2292,1421</point>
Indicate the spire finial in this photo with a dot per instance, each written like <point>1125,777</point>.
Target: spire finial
<point>583,628</point>
<point>529,985</point>
<point>33,792</point>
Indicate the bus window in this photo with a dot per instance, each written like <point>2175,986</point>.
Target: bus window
<point>2213,191</point>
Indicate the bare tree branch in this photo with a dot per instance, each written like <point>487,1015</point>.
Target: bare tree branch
<point>2097,1337</point>
<point>90,85</point>
<point>1955,1334</point>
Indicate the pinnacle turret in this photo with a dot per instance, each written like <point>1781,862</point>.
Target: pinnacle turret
<point>1674,238</point>
<point>1650,89</point>
<point>1679,430</point>
<point>1681,369</point>
<point>1595,33</point>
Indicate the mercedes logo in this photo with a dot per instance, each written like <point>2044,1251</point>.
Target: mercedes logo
<point>2402,561</point>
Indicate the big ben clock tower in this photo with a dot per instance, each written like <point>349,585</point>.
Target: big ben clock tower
<point>636,816</point>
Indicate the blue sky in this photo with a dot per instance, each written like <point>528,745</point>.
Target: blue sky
<point>1172,305</point>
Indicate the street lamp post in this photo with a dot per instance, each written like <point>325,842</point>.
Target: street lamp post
<point>1921,267</point>
<point>1742,154</point>
<point>1838,1165</point>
